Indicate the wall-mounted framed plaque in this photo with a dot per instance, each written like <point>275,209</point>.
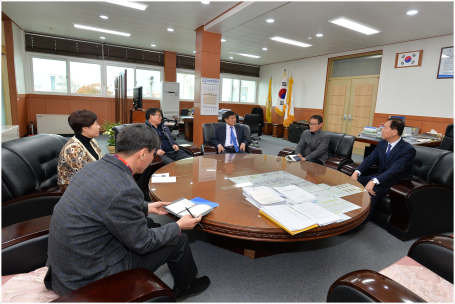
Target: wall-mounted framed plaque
<point>445,69</point>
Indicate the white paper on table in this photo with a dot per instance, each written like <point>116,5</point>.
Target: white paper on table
<point>264,195</point>
<point>296,194</point>
<point>349,189</point>
<point>338,205</point>
<point>197,210</point>
<point>317,213</point>
<point>288,217</point>
<point>253,202</point>
<point>161,175</point>
<point>344,217</point>
<point>169,179</point>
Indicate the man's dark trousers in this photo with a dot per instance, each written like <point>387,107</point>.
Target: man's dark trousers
<point>172,156</point>
<point>380,191</point>
<point>231,150</point>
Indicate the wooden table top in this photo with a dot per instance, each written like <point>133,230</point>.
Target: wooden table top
<point>423,144</point>
<point>235,217</point>
<point>191,118</point>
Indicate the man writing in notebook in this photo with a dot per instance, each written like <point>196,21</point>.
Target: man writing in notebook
<point>314,143</point>
<point>229,138</point>
<point>98,227</point>
<point>394,157</point>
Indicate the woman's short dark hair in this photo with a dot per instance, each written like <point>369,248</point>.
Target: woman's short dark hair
<point>136,137</point>
<point>81,118</point>
<point>396,124</point>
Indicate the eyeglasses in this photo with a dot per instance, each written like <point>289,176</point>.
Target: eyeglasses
<point>314,124</point>
<point>158,115</point>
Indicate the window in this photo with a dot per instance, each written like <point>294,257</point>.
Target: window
<point>85,78</point>
<point>49,75</point>
<point>186,82</point>
<point>150,81</point>
<point>114,71</point>
<point>235,90</point>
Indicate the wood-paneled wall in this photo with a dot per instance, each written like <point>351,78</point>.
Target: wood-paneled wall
<point>299,114</point>
<point>424,123</point>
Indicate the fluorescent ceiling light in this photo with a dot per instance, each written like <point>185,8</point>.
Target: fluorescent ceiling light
<point>289,41</point>
<point>243,54</point>
<point>153,45</point>
<point>131,4</point>
<point>103,37</point>
<point>223,40</point>
<point>355,26</point>
<point>97,29</point>
<point>264,49</point>
<point>104,17</point>
<point>319,35</point>
<point>170,29</point>
<point>413,12</point>
<point>270,20</point>
<point>194,51</point>
<point>231,57</point>
<point>310,38</point>
<point>205,2</point>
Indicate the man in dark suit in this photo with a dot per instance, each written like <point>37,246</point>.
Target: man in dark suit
<point>229,138</point>
<point>98,227</point>
<point>394,157</point>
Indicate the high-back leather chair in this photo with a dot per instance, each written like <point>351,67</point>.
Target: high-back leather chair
<point>260,111</point>
<point>254,122</point>
<point>447,141</point>
<point>208,129</point>
<point>29,177</point>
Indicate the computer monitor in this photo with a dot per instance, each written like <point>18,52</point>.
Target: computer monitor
<point>137,97</point>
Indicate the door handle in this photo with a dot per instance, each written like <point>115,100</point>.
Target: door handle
<point>350,118</point>
<point>344,117</point>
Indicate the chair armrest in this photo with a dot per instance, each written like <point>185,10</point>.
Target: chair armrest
<point>413,213</point>
<point>369,286</point>
<point>208,149</point>
<point>349,169</point>
<point>254,149</point>
<point>435,252</point>
<point>337,162</point>
<point>23,231</point>
<point>193,150</point>
<point>38,193</point>
<point>286,151</point>
<point>134,285</point>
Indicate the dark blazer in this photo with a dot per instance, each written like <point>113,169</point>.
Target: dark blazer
<point>219,137</point>
<point>397,166</point>
<point>97,223</point>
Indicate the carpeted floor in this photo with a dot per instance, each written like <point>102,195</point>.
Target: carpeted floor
<point>302,276</point>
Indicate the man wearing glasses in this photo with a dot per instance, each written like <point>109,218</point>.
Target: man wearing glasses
<point>314,143</point>
<point>169,150</point>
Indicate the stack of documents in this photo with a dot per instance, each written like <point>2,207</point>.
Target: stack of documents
<point>296,194</point>
<point>288,218</point>
<point>262,196</point>
<point>318,214</point>
<point>369,133</point>
<point>163,178</point>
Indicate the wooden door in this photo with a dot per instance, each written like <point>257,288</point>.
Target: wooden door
<point>337,105</point>
<point>362,104</point>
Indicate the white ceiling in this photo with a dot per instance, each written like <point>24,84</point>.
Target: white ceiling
<point>244,27</point>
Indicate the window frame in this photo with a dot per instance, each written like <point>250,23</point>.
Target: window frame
<point>186,71</point>
<point>240,78</point>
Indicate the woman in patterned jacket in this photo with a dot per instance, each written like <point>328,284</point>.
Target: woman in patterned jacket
<point>82,148</point>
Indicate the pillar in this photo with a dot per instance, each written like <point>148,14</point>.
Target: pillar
<point>170,66</point>
<point>208,55</point>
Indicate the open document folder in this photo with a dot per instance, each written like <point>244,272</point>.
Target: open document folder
<point>289,219</point>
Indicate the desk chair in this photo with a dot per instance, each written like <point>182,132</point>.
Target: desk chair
<point>181,125</point>
<point>254,122</point>
<point>24,250</point>
<point>260,111</point>
<point>447,141</point>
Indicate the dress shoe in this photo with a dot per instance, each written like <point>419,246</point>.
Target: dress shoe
<point>196,287</point>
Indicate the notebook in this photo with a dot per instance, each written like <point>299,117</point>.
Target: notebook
<point>178,208</point>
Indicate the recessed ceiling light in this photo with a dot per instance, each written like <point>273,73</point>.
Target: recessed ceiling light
<point>170,29</point>
<point>131,4</point>
<point>104,17</point>
<point>319,35</point>
<point>270,20</point>
<point>194,51</point>
<point>264,49</point>
<point>353,25</point>
<point>310,38</point>
<point>289,41</point>
<point>205,2</point>
<point>97,29</point>
<point>243,54</point>
<point>223,40</point>
<point>231,57</point>
<point>103,37</point>
<point>153,45</point>
<point>413,12</point>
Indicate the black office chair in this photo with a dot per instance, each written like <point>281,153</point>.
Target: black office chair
<point>447,141</point>
<point>260,111</point>
<point>181,125</point>
<point>254,122</point>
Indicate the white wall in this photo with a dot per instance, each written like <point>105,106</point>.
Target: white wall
<point>409,91</point>
<point>19,59</point>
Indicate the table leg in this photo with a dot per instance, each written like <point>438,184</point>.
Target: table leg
<point>189,130</point>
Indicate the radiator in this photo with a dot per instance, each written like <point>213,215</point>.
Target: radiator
<point>53,124</point>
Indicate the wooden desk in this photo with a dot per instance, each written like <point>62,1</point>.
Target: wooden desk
<point>235,224</point>
<point>137,116</point>
<point>189,125</point>
<point>374,143</point>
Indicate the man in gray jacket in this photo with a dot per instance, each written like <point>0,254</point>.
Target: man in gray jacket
<point>314,143</point>
<point>98,227</point>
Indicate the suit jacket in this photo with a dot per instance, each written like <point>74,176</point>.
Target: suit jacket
<point>397,166</point>
<point>219,137</point>
<point>97,223</point>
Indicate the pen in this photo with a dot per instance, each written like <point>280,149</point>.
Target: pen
<point>193,217</point>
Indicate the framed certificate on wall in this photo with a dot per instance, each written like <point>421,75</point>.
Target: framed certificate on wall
<point>409,59</point>
<point>445,69</point>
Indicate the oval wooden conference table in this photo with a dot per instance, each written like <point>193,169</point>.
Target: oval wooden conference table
<point>236,224</point>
